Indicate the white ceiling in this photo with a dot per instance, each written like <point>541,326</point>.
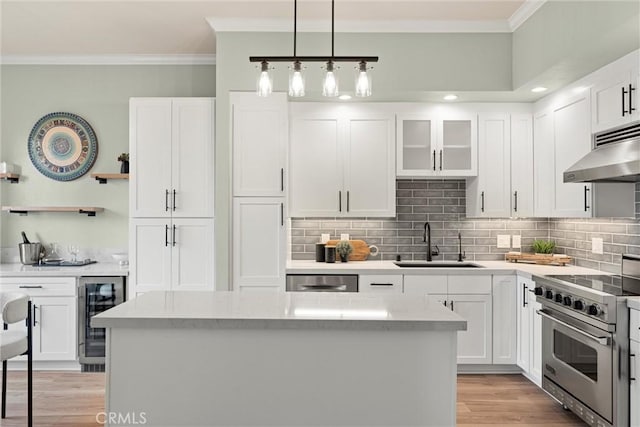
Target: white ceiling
<point>181,28</point>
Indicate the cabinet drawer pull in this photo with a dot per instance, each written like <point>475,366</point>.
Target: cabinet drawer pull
<point>339,201</point>
<point>347,200</point>
<point>35,322</point>
<point>482,203</point>
<point>166,200</point>
<point>524,295</point>
<point>281,179</point>
<point>631,109</point>
<point>173,236</point>
<point>380,284</point>
<point>440,159</point>
<point>515,202</point>
<point>451,305</point>
<point>624,92</point>
<point>282,214</point>
<point>166,235</point>
<point>174,200</point>
<point>586,197</point>
<point>632,377</point>
<point>30,286</point>
<point>434,159</point>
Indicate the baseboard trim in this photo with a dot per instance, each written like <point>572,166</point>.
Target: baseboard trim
<point>43,365</point>
<point>489,369</point>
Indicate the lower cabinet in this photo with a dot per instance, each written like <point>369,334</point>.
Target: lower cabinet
<point>470,297</point>
<point>529,336</point>
<point>259,243</point>
<point>634,387</point>
<point>504,320</point>
<point>170,254</point>
<point>54,315</point>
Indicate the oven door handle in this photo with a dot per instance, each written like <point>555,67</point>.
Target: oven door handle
<point>599,340</point>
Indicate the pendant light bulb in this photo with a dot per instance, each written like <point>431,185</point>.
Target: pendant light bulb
<point>265,82</point>
<point>330,84</point>
<point>296,81</point>
<point>363,81</point>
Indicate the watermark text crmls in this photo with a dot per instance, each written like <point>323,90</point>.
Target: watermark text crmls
<point>122,419</point>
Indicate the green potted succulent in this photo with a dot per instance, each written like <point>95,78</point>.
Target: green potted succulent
<point>124,158</point>
<point>344,248</point>
<point>543,246</point>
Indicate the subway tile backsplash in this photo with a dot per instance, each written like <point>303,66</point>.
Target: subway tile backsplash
<point>442,203</point>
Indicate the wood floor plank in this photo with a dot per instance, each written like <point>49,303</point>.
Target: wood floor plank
<point>73,399</point>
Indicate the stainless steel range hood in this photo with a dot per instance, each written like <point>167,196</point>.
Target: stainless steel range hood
<point>615,158</point>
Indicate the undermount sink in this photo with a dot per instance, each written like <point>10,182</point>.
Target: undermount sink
<point>437,264</point>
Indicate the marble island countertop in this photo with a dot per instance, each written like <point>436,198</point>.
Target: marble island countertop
<point>97,269</point>
<point>388,267</point>
<point>318,310</point>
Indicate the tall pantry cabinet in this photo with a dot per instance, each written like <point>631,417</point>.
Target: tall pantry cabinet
<point>171,194</point>
<point>259,146</point>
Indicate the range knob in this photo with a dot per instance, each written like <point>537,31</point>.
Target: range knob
<point>594,310</point>
<point>578,305</point>
<point>548,294</point>
<point>558,298</point>
<point>567,301</point>
<point>537,290</point>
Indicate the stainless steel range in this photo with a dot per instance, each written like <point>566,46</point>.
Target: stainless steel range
<point>585,341</point>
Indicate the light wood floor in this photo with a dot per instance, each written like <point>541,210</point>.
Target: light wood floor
<point>73,400</point>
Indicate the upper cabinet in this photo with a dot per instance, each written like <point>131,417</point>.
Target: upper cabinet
<point>614,94</point>
<point>171,145</point>
<point>342,161</point>
<point>436,145</point>
<point>503,187</point>
<point>259,144</point>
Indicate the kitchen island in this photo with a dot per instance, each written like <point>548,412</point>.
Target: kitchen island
<point>303,359</point>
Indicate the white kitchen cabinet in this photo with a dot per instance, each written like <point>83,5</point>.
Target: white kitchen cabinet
<point>54,315</point>
<point>543,178</point>
<point>380,283</point>
<point>634,385</point>
<point>342,161</point>
<point>171,157</point>
<point>505,329</point>
<point>524,301</point>
<point>259,246</point>
<point>489,194</point>
<point>436,145</point>
<point>260,129</point>
<point>170,254</point>
<point>503,187</point>
<point>469,296</point>
<point>614,94</point>
<point>535,371</point>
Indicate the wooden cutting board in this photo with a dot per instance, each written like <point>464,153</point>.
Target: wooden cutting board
<point>360,249</point>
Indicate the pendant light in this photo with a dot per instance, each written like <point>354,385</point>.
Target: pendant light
<point>296,76</point>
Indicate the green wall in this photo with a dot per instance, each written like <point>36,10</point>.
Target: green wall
<point>569,39</point>
<point>100,94</point>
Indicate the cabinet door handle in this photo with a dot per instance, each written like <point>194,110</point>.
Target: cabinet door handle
<point>515,201</point>
<point>440,159</point>
<point>281,179</point>
<point>339,201</point>
<point>173,236</point>
<point>166,200</point>
<point>282,214</point>
<point>380,284</point>
<point>631,109</point>
<point>632,377</point>
<point>482,201</point>
<point>624,92</point>
<point>174,200</point>
<point>444,303</point>
<point>35,322</point>
<point>347,200</point>
<point>166,235</point>
<point>451,305</point>
<point>586,197</point>
<point>524,295</point>
<point>434,159</point>
<point>30,286</point>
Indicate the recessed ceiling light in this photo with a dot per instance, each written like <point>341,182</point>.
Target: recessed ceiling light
<point>450,97</point>
<point>538,89</point>
<point>345,97</point>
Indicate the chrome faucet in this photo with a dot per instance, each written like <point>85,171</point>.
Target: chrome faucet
<point>427,239</point>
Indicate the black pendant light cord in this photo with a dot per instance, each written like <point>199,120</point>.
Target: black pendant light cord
<point>295,25</point>
<point>333,24</point>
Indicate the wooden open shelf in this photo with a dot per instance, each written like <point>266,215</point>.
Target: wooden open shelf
<point>24,210</point>
<point>11,177</point>
<point>103,177</point>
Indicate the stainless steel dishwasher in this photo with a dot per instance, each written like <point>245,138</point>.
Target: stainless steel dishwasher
<point>322,283</point>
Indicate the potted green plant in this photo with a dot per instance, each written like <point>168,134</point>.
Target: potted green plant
<point>344,248</point>
<point>124,158</point>
<point>543,246</point>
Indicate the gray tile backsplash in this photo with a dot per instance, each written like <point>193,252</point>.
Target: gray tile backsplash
<point>442,203</point>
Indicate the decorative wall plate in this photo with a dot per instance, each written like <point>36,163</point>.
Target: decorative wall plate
<point>62,146</point>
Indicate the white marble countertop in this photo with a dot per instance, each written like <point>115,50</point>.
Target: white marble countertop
<point>633,302</point>
<point>97,269</point>
<point>313,310</point>
<point>388,267</point>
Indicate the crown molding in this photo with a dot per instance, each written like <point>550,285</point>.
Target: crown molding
<point>312,26</point>
<point>130,59</point>
<point>524,12</point>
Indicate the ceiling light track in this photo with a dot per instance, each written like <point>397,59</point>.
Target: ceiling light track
<point>296,78</point>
